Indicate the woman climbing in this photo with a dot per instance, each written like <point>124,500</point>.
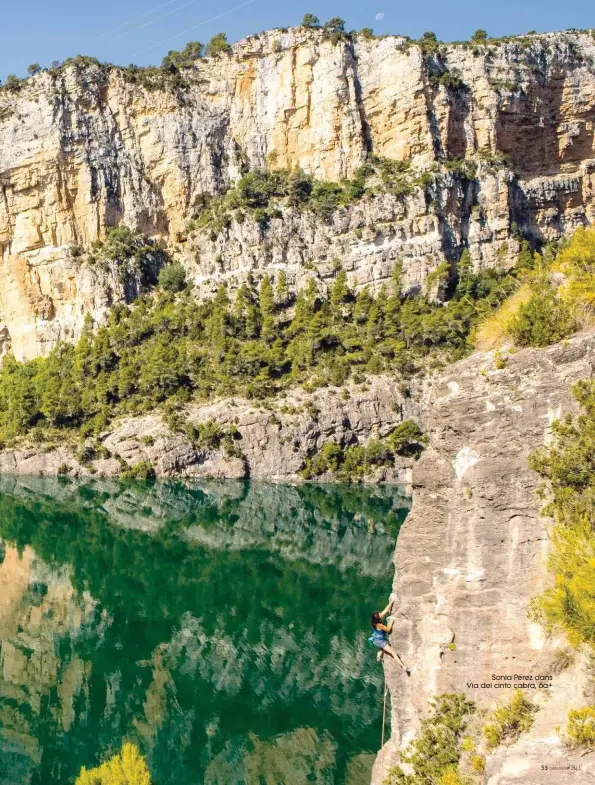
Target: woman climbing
<point>380,640</point>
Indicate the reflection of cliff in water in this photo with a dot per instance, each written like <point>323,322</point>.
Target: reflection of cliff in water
<point>221,625</point>
<point>343,525</point>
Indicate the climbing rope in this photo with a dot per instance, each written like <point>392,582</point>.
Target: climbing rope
<point>385,693</point>
<point>384,711</point>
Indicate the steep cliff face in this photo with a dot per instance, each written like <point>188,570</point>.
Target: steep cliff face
<point>472,554</point>
<point>83,148</point>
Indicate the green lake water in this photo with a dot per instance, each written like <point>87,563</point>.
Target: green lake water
<point>221,626</point>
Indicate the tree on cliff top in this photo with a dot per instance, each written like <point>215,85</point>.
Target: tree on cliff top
<point>479,37</point>
<point>334,29</point>
<point>184,59</point>
<point>217,45</point>
<point>311,21</point>
<point>12,83</point>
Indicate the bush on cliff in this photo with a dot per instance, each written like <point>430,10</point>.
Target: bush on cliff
<point>434,755</point>
<point>131,253</point>
<point>355,462</point>
<point>544,319</point>
<point>172,277</point>
<point>264,190</point>
<point>311,21</point>
<point>510,720</point>
<point>567,466</point>
<point>186,58</point>
<point>580,729</point>
<point>555,299</point>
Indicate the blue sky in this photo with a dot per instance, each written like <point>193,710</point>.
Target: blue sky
<point>142,31</point>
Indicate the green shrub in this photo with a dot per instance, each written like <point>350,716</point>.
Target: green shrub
<point>13,83</point>
<point>544,320</point>
<point>452,80</point>
<point>165,78</point>
<point>435,753</point>
<point>407,438</point>
<point>132,252</point>
<point>438,279</point>
<point>478,763</point>
<point>260,190</point>
<point>429,43</point>
<point>351,463</point>
<point>218,45</point>
<point>461,167</point>
<point>210,435</point>
<point>327,459</point>
<point>580,729</point>
<point>509,721</point>
<point>567,467</point>
<point>453,776</point>
<point>172,277</point>
<point>140,471</point>
<point>184,59</point>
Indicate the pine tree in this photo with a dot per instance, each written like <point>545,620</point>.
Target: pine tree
<point>310,20</point>
<point>525,259</point>
<point>363,303</point>
<point>396,279</point>
<point>267,308</point>
<point>464,273</point>
<point>339,293</point>
<point>281,290</point>
<point>217,327</point>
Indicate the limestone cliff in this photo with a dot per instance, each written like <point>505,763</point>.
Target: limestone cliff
<point>273,440</point>
<point>471,555</point>
<point>85,147</point>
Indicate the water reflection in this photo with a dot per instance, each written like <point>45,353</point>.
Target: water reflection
<point>220,625</point>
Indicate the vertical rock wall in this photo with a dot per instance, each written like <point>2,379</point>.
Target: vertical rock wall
<point>83,148</point>
<point>472,552</point>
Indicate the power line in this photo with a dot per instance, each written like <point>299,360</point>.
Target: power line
<point>135,18</point>
<point>157,19</point>
<point>193,27</point>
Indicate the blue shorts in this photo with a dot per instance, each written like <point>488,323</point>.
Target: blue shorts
<point>380,644</point>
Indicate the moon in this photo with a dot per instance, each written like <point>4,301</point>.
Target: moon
<point>379,16</point>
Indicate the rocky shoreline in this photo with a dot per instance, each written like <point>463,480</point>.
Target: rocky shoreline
<point>272,440</point>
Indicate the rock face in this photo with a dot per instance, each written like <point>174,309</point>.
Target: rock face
<point>472,552</point>
<point>272,443</point>
<point>83,148</point>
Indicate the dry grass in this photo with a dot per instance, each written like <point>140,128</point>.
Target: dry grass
<point>492,333</point>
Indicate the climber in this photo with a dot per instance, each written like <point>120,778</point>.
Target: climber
<point>380,640</point>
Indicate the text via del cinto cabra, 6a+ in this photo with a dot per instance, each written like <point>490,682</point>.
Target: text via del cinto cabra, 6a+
<point>509,681</point>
